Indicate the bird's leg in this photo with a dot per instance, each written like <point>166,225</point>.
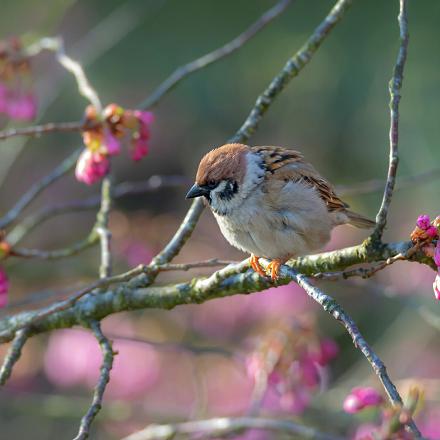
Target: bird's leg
<point>274,268</point>
<point>253,260</point>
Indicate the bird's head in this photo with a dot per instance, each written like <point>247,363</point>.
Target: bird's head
<point>226,176</point>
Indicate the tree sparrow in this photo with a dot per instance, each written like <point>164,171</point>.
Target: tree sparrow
<point>270,202</point>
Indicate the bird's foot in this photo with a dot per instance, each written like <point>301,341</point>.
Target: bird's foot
<point>255,264</point>
<point>274,268</point>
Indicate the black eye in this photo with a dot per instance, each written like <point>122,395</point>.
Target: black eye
<point>211,184</point>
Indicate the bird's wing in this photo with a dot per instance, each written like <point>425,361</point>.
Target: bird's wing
<point>284,164</point>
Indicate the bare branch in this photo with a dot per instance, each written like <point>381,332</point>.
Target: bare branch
<point>223,427</point>
<point>334,309</point>
<point>84,87</point>
<point>291,69</point>
<point>394,87</point>
<point>13,354</point>
<point>103,230</point>
<point>38,130</point>
<point>183,71</point>
<point>63,168</point>
<point>153,183</point>
<point>104,377</point>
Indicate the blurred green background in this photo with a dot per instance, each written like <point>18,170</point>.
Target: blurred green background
<point>335,112</point>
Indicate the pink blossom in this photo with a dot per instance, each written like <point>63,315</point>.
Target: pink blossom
<point>73,357</point>
<point>328,350</point>
<point>21,106</point>
<point>309,372</point>
<point>144,117</point>
<point>255,366</point>
<point>112,144</point>
<point>437,254</point>
<point>436,286</point>
<point>423,222</point>
<point>432,231</point>
<point>91,167</point>
<point>140,149</point>
<point>360,398</point>
<point>4,287</point>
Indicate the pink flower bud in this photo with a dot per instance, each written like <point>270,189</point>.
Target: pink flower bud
<point>360,398</point>
<point>91,167</point>
<point>140,149</point>
<point>112,144</point>
<point>4,288</point>
<point>22,107</point>
<point>424,222</point>
<point>432,231</point>
<point>328,350</point>
<point>145,118</point>
<point>436,286</point>
<point>437,254</point>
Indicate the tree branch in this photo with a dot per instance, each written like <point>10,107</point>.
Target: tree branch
<point>394,87</point>
<point>223,427</point>
<point>38,130</point>
<point>104,377</point>
<point>63,168</point>
<point>13,354</point>
<point>183,71</point>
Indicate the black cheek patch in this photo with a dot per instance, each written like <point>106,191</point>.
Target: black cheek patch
<point>230,190</point>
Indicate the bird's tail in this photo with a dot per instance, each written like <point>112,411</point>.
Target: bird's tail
<point>359,221</point>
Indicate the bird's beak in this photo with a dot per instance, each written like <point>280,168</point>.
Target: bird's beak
<point>197,191</point>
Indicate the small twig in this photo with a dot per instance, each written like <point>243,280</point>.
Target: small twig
<point>334,309</point>
<point>38,130</point>
<point>57,45</point>
<point>291,69</point>
<point>104,377</point>
<point>103,230</point>
<point>225,426</point>
<point>188,266</point>
<point>154,183</point>
<point>394,87</point>
<point>183,71</point>
<point>374,185</point>
<point>13,354</point>
<point>63,168</point>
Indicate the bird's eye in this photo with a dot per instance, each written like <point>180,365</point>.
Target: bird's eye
<point>212,184</point>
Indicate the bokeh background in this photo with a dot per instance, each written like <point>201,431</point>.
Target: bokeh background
<point>190,362</point>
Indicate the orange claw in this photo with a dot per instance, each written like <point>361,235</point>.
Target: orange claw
<point>255,264</point>
<point>274,268</point>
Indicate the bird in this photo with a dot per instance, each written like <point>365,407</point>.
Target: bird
<point>270,202</point>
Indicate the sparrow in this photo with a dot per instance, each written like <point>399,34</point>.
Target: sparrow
<point>269,202</point>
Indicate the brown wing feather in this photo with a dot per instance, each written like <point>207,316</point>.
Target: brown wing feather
<point>285,164</point>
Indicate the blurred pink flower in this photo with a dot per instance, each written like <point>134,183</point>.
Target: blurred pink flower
<point>328,350</point>
<point>360,398</point>
<point>141,137</point>
<point>365,431</point>
<point>4,288</point>
<point>111,143</point>
<point>432,231</point>
<point>430,425</point>
<point>73,357</point>
<point>437,254</point>
<point>21,106</point>
<point>136,253</point>
<point>91,167</point>
<point>436,286</point>
<point>423,222</point>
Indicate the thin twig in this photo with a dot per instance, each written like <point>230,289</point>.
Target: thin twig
<point>225,426</point>
<point>335,310</point>
<point>38,130</point>
<point>63,168</point>
<point>154,183</point>
<point>103,230</point>
<point>195,265</point>
<point>13,354</point>
<point>183,71</point>
<point>374,185</point>
<point>104,377</point>
<point>56,45</point>
<point>394,87</point>
<point>291,69</point>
